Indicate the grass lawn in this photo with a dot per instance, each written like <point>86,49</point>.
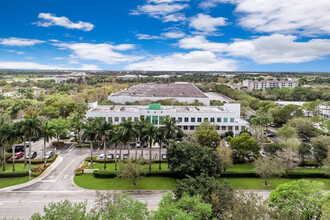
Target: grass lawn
<point>4,182</point>
<point>111,166</point>
<point>150,183</point>
<point>241,168</point>
<point>19,167</point>
<point>166,183</point>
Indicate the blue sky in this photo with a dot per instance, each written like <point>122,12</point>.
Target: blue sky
<point>214,35</point>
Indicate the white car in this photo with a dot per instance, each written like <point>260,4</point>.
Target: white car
<point>100,157</point>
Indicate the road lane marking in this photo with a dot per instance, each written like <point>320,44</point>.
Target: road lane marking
<point>66,175</point>
<point>64,169</point>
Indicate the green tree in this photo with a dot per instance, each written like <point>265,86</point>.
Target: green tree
<point>131,170</point>
<point>103,131</point>
<point>268,167</point>
<point>149,131</point>
<point>208,137</point>
<point>273,148</point>
<point>114,138</point>
<point>32,127</point>
<point>289,159</point>
<point>312,107</point>
<point>244,144</point>
<point>211,190</point>
<point>118,206</point>
<point>320,151</point>
<point>185,208</point>
<point>66,210</point>
<point>193,159</point>
<point>304,150</point>
<point>140,131</point>
<point>90,133</point>
<point>47,132</point>
<point>286,132</point>
<point>60,126</point>
<point>305,126</point>
<point>226,155</point>
<point>160,139</point>
<point>303,196</point>
<point>280,115</point>
<point>128,133</point>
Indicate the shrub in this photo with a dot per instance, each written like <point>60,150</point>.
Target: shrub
<point>58,144</point>
<point>39,169</point>
<point>78,173</point>
<point>14,174</point>
<point>8,155</point>
<point>35,174</point>
<point>36,161</point>
<point>104,174</point>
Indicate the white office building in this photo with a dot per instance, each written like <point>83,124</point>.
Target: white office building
<point>263,84</point>
<point>188,118</point>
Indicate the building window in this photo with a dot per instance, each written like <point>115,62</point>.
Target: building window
<point>218,128</point>
<point>179,119</point>
<point>123,119</point>
<point>218,119</point>
<point>206,119</point>
<point>199,119</point>
<point>116,119</point>
<point>192,128</point>
<point>192,119</point>
<point>186,119</point>
<point>232,119</point>
<point>136,118</point>
<point>230,128</point>
<point>129,118</point>
<point>185,127</point>
<point>212,119</point>
<point>236,128</point>
<point>180,127</point>
<point>110,119</point>
<point>225,119</point>
<point>223,128</point>
<point>243,128</point>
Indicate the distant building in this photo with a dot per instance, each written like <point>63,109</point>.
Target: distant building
<point>188,118</point>
<point>263,84</point>
<point>75,76</point>
<point>180,91</point>
<point>131,77</point>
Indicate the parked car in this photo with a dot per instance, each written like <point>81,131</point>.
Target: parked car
<point>118,156</point>
<point>263,154</point>
<point>138,144</point>
<point>17,155</point>
<point>49,154</point>
<point>164,145</point>
<point>306,140</point>
<point>164,156</point>
<point>100,157</point>
<point>132,145</point>
<point>110,156</point>
<point>125,156</point>
<point>271,134</point>
<point>33,155</point>
<point>145,145</point>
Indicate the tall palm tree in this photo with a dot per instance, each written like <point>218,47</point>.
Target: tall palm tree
<point>47,132</point>
<point>103,130</point>
<point>90,133</point>
<point>128,132</point>
<point>3,131</point>
<point>139,129</point>
<point>114,137</point>
<point>13,134</point>
<point>169,128</point>
<point>160,139</point>
<point>32,127</point>
<point>150,131</point>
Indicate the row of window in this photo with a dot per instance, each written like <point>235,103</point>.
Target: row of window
<point>187,119</point>
<point>223,128</point>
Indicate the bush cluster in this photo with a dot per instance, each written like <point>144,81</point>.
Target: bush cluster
<point>14,174</point>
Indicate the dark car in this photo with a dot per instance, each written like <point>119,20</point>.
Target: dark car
<point>306,140</point>
<point>145,145</point>
<point>33,155</point>
<point>271,134</point>
<point>17,155</point>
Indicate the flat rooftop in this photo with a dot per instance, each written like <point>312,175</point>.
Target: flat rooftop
<point>170,90</point>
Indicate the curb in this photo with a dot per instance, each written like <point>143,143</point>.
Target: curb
<point>57,162</point>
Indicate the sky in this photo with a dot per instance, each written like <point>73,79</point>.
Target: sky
<point>165,35</point>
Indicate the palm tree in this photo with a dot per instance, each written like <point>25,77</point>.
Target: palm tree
<point>31,127</point>
<point>169,128</point>
<point>150,131</point>
<point>103,130</point>
<point>114,137</point>
<point>90,133</point>
<point>139,129</point>
<point>48,132</point>
<point>160,139</point>
<point>13,134</point>
<point>3,131</point>
<point>128,132</point>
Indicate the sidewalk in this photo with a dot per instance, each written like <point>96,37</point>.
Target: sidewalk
<point>44,174</point>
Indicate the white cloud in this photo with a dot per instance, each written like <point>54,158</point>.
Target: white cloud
<point>20,42</point>
<point>192,61</point>
<point>101,52</point>
<point>33,65</point>
<point>206,23</point>
<point>59,58</point>
<point>166,1</point>
<point>165,12</point>
<point>279,48</point>
<point>305,17</point>
<point>173,34</point>
<point>200,42</point>
<point>51,20</point>
<point>147,37</point>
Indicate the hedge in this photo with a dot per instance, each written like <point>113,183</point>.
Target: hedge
<point>309,163</point>
<point>8,155</point>
<point>104,174</point>
<point>113,160</point>
<point>35,161</point>
<point>14,174</point>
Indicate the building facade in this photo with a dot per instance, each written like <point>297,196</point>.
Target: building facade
<point>188,118</point>
<point>263,84</point>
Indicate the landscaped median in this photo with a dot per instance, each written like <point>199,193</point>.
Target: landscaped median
<point>9,178</point>
<point>240,176</point>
